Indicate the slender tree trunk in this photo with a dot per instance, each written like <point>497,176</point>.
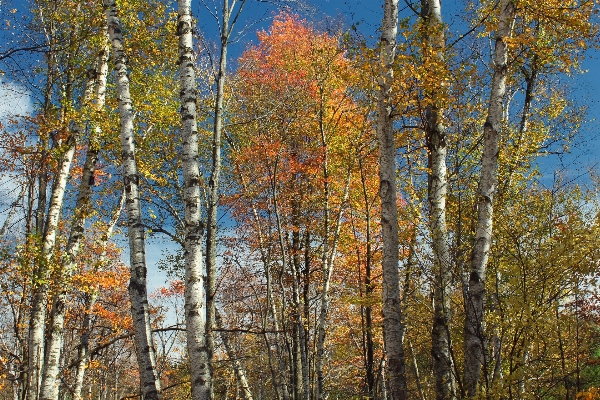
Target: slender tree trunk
<point>213,196</point>
<point>299,392</point>
<point>238,369</point>
<point>44,176</point>
<point>98,85</point>
<point>13,210</point>
<point>474,338</point>
<point>326,269</point>
<point>39,302</point>
<point>84,346</point>
<point>366,310</point>
<point>145,352</point>
<point>282,366</point>
<point>327,262</point>
<point>50,384</point>
<point>530,81</point>
<point>393,322</point>
<point>417,373</point>
<point>195,305</point>
<point>433,35</point>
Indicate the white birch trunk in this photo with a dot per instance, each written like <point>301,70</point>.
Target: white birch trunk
<point>437,187</point>
<point>145,352</point>
<point>41,279</point>
<point>393,323</point>
<point>474,335</point>
<point>195,298</point>
<point>50,383</point>
<point>97,87</point>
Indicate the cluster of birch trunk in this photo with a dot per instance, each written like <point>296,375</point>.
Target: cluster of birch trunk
<point>283,349</point>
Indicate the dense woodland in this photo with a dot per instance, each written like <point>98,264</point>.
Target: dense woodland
<point>344,212</point>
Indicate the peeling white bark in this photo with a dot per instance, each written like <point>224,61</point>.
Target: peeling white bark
<point>42,277</point>
<point>474,337</point>
<point>433,33</point>
<point>145,352</point>
<point>50,383</point>
<point>195,297</point>
<point>393,323</point>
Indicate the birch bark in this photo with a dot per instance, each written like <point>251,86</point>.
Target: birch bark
<point>474,339</point>
<point>97,86</point>
<point>42,276</point>
<point>195,297</point>
<point>393,324</point>
<point>145,352</point>
<point>433,33</point>
<point>50,384</point>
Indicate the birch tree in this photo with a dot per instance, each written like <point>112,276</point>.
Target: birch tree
<point>393,323</point>
<point>95,93</point>
<point>195,297</point>
<point>40,298</point>
<point>474,339</point>
<point>145,352</point>
<point>433,49</point>
<point>49,385</point>
<point>231,10</point>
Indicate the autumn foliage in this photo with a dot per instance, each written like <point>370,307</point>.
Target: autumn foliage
<point>299,276</point>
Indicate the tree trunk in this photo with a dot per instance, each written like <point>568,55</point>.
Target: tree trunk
<point>299,357</point>
<point>50,384</point>
<point>195,306</point>
<point>14,207</point>
<point>145,352</point>
<point>393,323</point>
<point>98,85</point>
<point>366,310</point>
<point>84,347</point>
<point>327,263</point>
<point>433,33</point>
<point>213,195</point>
<point>42,276</point>
<point>238,369</point>
<point>475,346</point>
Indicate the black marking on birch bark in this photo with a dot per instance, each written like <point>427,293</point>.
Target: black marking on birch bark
<point>183,27</point>
<point>474,277</point>
<point>136,286</point>
<point>384,188</point>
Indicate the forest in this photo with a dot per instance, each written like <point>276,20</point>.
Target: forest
<point>360,206</point>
